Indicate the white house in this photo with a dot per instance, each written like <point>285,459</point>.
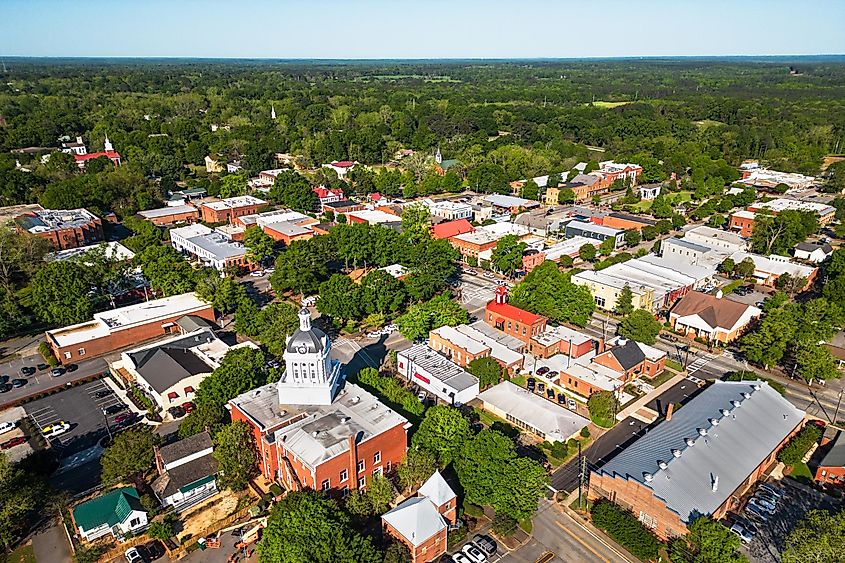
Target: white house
<point>813,252</point>
<point>118,513</point>
<point>187,472</point>
<point>649,191</point>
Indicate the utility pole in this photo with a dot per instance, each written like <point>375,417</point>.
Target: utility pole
<point>582,476</point>
<point>838,402</point>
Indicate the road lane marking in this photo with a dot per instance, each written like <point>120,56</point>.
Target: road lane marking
<point>582,542</point>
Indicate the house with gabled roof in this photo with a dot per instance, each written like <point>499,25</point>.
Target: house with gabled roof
<point>710,317</point>
<point>118,513</point>
<point>422,522</point>
<point>187,472</point>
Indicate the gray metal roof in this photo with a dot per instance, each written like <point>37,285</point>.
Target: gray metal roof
<point>835,456</point>
<point>732,426</point>
<point>687,244</point>
<point>440,367</point>
<point>218,245</point>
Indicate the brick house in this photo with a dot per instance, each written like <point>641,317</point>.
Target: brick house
<point>511,320</point>
<point>422,522</point>
<point>702,315</point>
<point>742,222</point>
<point>632,359</point>
<point>311,430</point>
<point>64,228</point>
<point>119,328</point>
<point>700,460</point>
<point>831,468</point>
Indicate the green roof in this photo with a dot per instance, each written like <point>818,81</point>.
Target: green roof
<point>197,484</point>
<point>447,164</point>
<point>110,508</point>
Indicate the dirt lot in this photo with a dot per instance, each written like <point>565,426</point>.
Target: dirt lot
<point>213,510</point>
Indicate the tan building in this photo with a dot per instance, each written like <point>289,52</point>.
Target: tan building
<point>715,319</point>
<point>456,345</point>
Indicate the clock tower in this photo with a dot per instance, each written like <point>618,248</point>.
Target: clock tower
<point>311,377</point>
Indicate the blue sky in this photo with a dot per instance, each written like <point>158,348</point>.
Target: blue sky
<point>432,29</point>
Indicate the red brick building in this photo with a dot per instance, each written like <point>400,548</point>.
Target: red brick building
<point>226,210</point>
<point>631,359</point>
<point>118,328</point>
<point>314,432</point>
<point>64,228</point>
<point>742,223</point>
<point>167,216</point>
<point>702,459</point>
<point>451,229</point>
<point>831,469</point>
<point>512,320</point>
<point>422,522</point>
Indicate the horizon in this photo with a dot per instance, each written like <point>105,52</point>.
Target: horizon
<point>375,30</point>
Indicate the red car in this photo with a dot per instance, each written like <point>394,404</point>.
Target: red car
<point>188,407</point>
<point>121,418</point>
<point>12,443</point>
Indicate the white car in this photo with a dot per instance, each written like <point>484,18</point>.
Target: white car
<point>460,558</point>
<point>133,555</point>
<point>571,404</point>
<point>55,429</point>
<point>745,534</point>
<point>7,427</point>
<point>473,553</point>
<point>256,274</point>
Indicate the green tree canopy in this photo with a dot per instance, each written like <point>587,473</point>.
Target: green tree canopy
<point>507,256</point>
<point>61,293</point>
<point>260,246</point>
<point>487,370</point>
<point>423,317</point>
<point>707,541</point>
<point>294,191</point>
<point>234,450</point>
<point>548,291</point>
<point>641,326</point>
<point>819,537</point>
<point>625,301</point>
<point>443,431</point>
<point>130,453</point>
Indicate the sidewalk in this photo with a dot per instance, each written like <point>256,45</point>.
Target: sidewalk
<point>639,403</point>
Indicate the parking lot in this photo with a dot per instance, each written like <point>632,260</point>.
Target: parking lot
<point>769,540</point>
<point>82,408</point>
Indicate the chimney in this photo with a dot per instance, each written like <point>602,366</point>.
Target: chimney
<point>353,463</point>
<point>669,410</point>
<point>600,348</point>
<point>715,483</point>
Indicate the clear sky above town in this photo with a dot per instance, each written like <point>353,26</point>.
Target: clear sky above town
<point>432,29</point>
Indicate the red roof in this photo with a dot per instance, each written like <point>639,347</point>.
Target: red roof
<point>324,192</point>
<point>451,229</point>
<point>83,157</point>
<point>375,196</point>
<point>513,313</point>
<point>343,163</point>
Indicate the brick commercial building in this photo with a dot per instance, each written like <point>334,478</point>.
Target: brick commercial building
<point>123,327</point>
<point>631,359</point>
<point>471,244</point>
<point>226,210</point>
<point>701,459</point>
<point>438,375</point>
<point>626,221</point>
<point>171,215</point>
<point>742,222</point>
<point>422,522</point>
<point>66,228</point>
<point>288,232</point>
<point>313,431</point>
<point>451,229</point>
<point>511,320</point>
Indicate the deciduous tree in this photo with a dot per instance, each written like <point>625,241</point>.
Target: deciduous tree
<point>234,450</point>
<point>641,326</point>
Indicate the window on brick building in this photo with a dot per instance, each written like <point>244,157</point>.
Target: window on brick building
<point>361,466</point>
<point>68,355</point>
<point>378,471</point>
<point>377,457</point>
<point>344,475</point>
<point>362,482</point>
<point>325,485</point>
<point>81,351</point>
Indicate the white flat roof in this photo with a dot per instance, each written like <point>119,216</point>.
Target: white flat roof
<point>783,204</point>
<point>460,339</point>
<point>568,246</point>
<point>190,231</point>
<point>113,250</point>
<point>374,216</point>
<point>107,322</point>
<point>165,211</point>
<point>556,423</point>
<point>232,202</point>
<point>498,350</point>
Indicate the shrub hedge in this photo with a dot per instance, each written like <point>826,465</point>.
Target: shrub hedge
<point>390,388</point>
<point>800,444</point>
<point>623,526</point>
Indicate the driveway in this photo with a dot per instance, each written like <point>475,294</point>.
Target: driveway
<point>50,545</point>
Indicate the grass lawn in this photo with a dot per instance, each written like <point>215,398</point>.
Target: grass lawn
<point>23,554</point>
<point>486,418</point>
<point>609,105</point>
<point>518,380</point>
<point>732,286</point>
<point>665,376</point>
<point>801,473</point>
<point>526,525</point>
<point>674,198</point>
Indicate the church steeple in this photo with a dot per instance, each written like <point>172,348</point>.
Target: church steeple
<point>273,112</point>
<point>107,146</point>
<point>438,158</point>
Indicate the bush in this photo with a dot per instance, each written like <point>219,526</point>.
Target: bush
<point>504,525</point>
<point>585,432</point>
<point>88,555</point>
<point>390,388</point>
<point>559,450</point>
<point>161,530</point>
<point>623,526</point>
<point>47,353</point>
<point>800,444</point>
<point>455,537</point>
<point>601,406</point>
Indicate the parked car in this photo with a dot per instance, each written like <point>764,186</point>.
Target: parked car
<point>571,404</point>
<point>42,367</point>
<point>746,534</point>
<point>421,395</point>
<point>764,502</point>
<point>4,379</point>
<point>114,409</point>
<point>550,393</point>
<point>777,491</point>
<point>542,370</point>
<point>124,418</point>
<point>460,558</point>
<point>489,275</point>
<point>70,368</point>
<point>531,383</point>
<point>756,512</point>
<point>56,429</point>
<point>188,406</point>
<point>16,383</point>
<point>256,274</point>
<point>561,399</point>
<point>552,374</point>
<point>668,337</point>
<point>176,412</point>
<point>133,555</point>
<point>761,505</point>
<point>56,372</point>
<point>471,272</point>
<point>102,393</point>
<point>26,371</point>
<point>7,427</point>
<point>473,553</point>
<point>485,543</point>
<point>4,388</point>
<point>12,443</point>
<point>541,387</point>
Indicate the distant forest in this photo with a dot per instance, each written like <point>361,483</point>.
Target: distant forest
<point>527,117</point>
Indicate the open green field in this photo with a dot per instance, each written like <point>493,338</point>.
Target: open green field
<point>609,105</point>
